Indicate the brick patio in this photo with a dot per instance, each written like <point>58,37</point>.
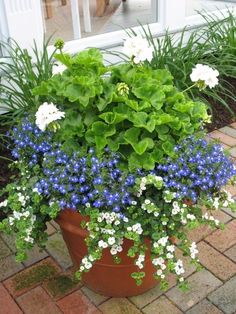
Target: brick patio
<point>44,284</point>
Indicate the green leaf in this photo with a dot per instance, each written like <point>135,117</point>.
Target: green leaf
<point>144,161</point>
<point>151,93</point>
<point>168,148</point>
<point>140,146</point>
<point>100,142</point>
<point>106,97</point>
<point>101,129</point>
<point>64,58</point>
<point>112,117</point>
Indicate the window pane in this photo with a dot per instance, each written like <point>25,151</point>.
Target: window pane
<point>72,19</point>
<point>192,6</point>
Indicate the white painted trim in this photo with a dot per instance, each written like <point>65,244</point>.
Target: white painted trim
<point>194,20</point>
<point>4,31</point>
<point>75,19</point>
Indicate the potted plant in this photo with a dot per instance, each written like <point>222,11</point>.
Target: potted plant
<point>117,156</point>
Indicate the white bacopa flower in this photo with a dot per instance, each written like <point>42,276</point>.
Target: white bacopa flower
<point>138,48</point>
<point>159,272</point>
<point>4,203</point>
<point>162,241</point>
<point>111,240</point>
<point>11,221</point>
<point>193,250</point>
<point>46,114</point>
<point>203,74</point>
<point>102,244</point>
<point>29,239</point>
<point>170,248</point>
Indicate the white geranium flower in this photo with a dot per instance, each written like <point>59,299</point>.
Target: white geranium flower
<point>204,75</point>
<point>58,68</point>
<point>46,114</point>
<point>138,48</point>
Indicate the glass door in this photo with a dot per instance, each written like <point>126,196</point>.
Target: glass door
<point>75,19</point>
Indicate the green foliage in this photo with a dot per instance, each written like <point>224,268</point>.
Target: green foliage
<point>20,72</point>
<point>111,106</point>
<point>213,44</point>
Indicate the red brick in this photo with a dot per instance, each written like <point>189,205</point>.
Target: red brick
<point>233,125</point>
<point>37,301</point>
<point>77,303</point>
<point>30,276</point>
<point>226,139</point>
<point>223,239</point>
<point>7,304</point>
<point>217,263</point>
<point>231,189</point>
<point>203,231</point>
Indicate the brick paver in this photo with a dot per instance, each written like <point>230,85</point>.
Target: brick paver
<point>226,139</point>
<point>4,249</point>
<point>160,306</point>
<point>32,276</point>
<point>77,303</point>
<point>223,239</point>
<point>9,267</point>
<point>201,284</point>
<point>212,290</point>
<point>228,131</point>
<point>7,303</point>
<point>225,297</point>
<point>222,267</point>
<point>37,301</point>
<point>231,253</point>
<point>35,255</point>
<point>204,307</point>
<point>118,306</point>
<point>57,248</point>
<point>96,298</point>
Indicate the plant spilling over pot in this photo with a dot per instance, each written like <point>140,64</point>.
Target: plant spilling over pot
<point>124,148</point>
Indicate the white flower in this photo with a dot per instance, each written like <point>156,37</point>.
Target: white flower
<point>46,114</point>
<point>29,239</point>
<point>159,272</point>
<point>179,269</point>
<point>56,69</point>
<point>204,73</point>
<point>216,203</point>
<point>35,190</point>
<point>17,215</point>
<point>111,240</point>
<point>4,203</point>
<point>88,265</point>
<point>193,250</point>
<point>169,255</point>
<point>162,241</point>
<point>102,244</point>
<point>113,251</point>
<point>170,248</point>
<point>11,221</point>
<point>191,217</point>
<point>138,48</point>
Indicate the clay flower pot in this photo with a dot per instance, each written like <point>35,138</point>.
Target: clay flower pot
<point>105,277</point>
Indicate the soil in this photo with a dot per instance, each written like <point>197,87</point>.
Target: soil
<point>221,118</point>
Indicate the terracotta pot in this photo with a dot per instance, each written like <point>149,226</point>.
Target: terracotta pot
<point>105,277</point>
